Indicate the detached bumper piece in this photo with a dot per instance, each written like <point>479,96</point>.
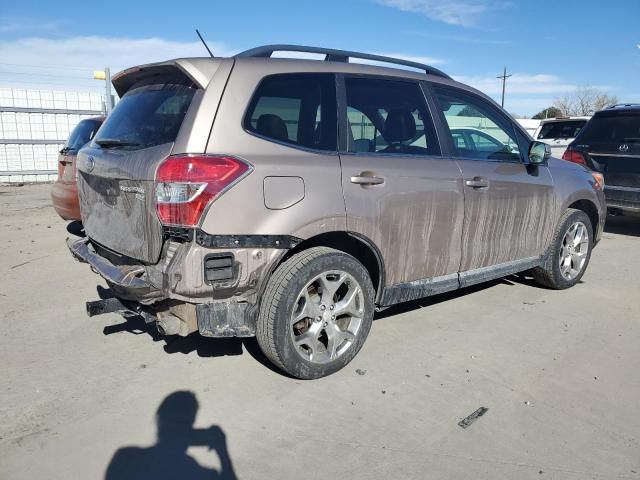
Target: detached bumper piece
<point>126,276</point>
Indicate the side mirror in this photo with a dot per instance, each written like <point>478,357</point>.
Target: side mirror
<point>539,153</point>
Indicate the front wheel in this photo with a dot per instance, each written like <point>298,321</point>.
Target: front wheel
<point>316,312</point>
<point>569,253</point>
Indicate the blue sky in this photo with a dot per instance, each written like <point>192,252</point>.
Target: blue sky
<point>550,47</point>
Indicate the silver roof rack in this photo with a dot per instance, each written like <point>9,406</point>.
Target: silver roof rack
<point>332,55</point>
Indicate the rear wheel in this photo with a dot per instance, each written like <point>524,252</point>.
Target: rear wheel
<point>316,312</point>
<point>569,253</point>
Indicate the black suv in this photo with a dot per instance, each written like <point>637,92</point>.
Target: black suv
<point>610,144</point>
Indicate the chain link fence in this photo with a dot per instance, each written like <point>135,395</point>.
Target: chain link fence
<point>34,125</point>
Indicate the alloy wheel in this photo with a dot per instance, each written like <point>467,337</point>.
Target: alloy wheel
<point>327,316</point>
<point>573,251</point>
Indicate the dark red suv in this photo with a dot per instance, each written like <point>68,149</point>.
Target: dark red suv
<point>64,194</point>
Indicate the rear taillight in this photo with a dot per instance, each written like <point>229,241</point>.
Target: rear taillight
<point>574,156</point>
<point>186,184</point>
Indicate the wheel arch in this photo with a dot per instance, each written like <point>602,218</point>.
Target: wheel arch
<point>357,245</point>
<point>588,207</point>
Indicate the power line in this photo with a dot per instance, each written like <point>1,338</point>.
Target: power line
<point>62,67</point>
<point>504,77</point>
<point>78,77</point>
<point>51,67</point>
<point>13,84</point>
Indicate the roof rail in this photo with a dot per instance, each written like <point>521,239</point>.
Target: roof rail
<point>624,105</point>
<point>332,55</point>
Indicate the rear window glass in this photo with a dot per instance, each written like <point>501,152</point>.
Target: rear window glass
<point>82,134</point>
<point>299,109</point>
<point>616,128</point>
<point>148,115</point>
<point>561,129</point>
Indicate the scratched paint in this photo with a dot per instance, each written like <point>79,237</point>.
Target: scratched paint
<point>510,220</point>
<point>117,199</point>
<point>415,217</point>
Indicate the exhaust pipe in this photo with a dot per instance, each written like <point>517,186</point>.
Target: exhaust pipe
<point>168,324</point>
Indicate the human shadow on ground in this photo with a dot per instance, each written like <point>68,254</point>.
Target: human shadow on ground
<point>168,458</point>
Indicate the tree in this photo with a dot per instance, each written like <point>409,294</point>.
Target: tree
<point>549,112</point>
<point>469,111</point>
<point>584,101</point>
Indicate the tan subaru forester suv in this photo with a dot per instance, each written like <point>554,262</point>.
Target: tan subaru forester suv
<point>291,198</point>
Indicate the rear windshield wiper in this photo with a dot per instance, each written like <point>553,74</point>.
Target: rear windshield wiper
<point>114,142</point>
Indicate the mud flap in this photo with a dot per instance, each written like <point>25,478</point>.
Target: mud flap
<point>226,319</point>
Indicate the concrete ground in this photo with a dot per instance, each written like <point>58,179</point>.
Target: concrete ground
<point>558,372</point>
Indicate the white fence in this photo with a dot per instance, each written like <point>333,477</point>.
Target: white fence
<point>34,125</point>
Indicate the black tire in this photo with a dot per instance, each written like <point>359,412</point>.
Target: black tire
<point>273,329</point>
<point>549,274</point>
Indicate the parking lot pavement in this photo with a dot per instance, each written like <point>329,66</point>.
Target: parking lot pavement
<point>558,372</point>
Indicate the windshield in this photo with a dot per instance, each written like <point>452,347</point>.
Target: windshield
<point>561,129</point>
<point>147,115</point>
<point>614,128</point>
<point>82,134</point>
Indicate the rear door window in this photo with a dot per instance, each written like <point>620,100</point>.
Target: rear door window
<point>148,115</point>
<point>388,117</point>
<point>487,134</point>
<point>298,109</point>
<point>561,130</point>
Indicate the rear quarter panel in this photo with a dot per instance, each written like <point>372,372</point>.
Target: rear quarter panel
<point>574,183</point>
<point>242,209</point>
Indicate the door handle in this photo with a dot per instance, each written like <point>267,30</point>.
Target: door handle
<point>477,182</point>
<point>367,180</point>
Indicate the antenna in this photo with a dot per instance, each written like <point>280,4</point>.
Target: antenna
<point>204,43</point>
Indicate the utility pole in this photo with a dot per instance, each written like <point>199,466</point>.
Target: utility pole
<point>108,99</point>
<point>503,77</point>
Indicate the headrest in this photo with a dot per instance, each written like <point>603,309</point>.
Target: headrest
<point>362,145</point>
<point>272,126</point>
<point>399,126</point>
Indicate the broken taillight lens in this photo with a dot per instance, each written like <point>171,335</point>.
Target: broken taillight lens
<point>186,184</point>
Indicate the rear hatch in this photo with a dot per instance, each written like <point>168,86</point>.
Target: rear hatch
<point>559,134</point>
<point>612,141</point>
<point>117,169</point>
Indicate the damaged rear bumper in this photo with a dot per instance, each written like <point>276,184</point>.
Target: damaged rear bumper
<point>125,277</point>
<point>136,293</point>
